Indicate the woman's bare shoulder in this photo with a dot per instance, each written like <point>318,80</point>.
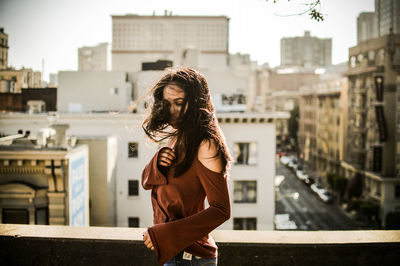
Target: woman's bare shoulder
<point>208,155</point>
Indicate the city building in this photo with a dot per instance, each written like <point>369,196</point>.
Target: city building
<point>102,178</point>
<point>372,155</point>
<point>43,180</point>
<point>322,124</point>
<point>3,49</point>
<point>13,81</point>
<point>31,100</point>
<point>93,91</point>
<point>306,51</point>
<point>251,179</point>
<point>94,57</point>
<point>367,26</point>
<point>387,16</point>
<point>202,40</point>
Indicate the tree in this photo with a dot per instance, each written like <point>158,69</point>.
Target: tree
<point>312,9</point>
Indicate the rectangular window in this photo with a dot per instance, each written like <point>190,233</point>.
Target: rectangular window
<point>245,192</point>
<point>377,159</point>
<point>378,188</point>
<point>42,216</point>
<point>133,187</point>
<point>244,223</point>
<point>15,216</point>
<point>245,153</point>
<point>133,221</point>
<point>397,191</point>
<point>133,148</point>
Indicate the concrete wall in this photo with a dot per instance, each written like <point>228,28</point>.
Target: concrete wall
<point>263,172</point>
<point>102,178</point>
<point>84,91</point>
<point>43,245</point>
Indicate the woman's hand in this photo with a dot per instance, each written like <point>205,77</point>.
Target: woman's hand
<point>147,241</point>
<point>166,156</point>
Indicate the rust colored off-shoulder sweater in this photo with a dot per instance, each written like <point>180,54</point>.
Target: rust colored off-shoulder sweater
<point>181,221</point>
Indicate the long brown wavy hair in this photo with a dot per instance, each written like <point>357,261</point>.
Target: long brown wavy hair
<point>195,124</point>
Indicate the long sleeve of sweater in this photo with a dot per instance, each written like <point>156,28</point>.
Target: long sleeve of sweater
<point>172,237</point>
<point>151,175</point>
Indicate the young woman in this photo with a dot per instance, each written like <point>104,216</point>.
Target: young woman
<point>190,168</point>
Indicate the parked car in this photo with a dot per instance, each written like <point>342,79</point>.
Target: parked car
<point>326,196</point>
<point>301,174</point>
<point>317,188</point>
<point>285,160</point>
<point>309,181</point>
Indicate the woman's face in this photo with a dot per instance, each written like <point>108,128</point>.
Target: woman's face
<point>175,96</point>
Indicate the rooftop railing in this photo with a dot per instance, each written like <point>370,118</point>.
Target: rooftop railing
<point>64,245</point>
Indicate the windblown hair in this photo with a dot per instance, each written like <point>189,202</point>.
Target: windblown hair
<point>196,124</point>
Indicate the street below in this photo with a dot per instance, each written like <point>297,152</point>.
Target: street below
<point>305,209</point>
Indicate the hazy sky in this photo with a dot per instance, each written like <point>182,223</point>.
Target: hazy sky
<point>54,29</point>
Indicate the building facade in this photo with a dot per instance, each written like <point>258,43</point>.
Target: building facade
<point>367,26</point>
<point>3,49</point>
<point>306,51</point>
<point>43,184</point>
<point>387,16</point>
<point>30,100</point>
<point>323,121</point>
<point>372,147</point>
<point>93,91</point>
<point>13,81</point>
<point>94,57</point>
<point>137,39</point>
<point>252,173</point>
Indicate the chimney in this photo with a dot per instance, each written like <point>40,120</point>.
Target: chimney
<point>61,136</point>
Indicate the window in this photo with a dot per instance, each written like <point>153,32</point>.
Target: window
<point>133,221</point>
<point>133,187</point>
<point>245,192</point>
<point>378,189</point>
<point>133,149</point>
<point>42,216</point>
<point>244,223</point>
<point>397,191</point>
<point>245,153</point>
<point>15,216</point>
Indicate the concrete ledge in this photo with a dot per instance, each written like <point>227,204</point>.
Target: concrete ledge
<point>63,245</point>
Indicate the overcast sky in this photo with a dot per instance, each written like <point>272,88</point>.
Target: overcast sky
<point>54,29</point>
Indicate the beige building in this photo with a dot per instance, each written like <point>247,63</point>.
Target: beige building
<point>94,57</point>
<point>323,122</point>
<point>373,144</point>
<point>93,91</point>
<point>387,16</point>
<point>103,153</point>
<point>14,81</point>
<point>3,49</point>
<point>137,39</point>
<point>43,180</point>
<point>306,51</point>
<point>307,131</point>
<point>367,26</point>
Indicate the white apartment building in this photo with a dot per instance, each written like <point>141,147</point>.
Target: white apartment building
<point>137,39</point>
<point>94,57</point>
<point>250,139</point>
<point>91,91</point>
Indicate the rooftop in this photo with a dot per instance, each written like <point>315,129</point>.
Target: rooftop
<point>62,245</point>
